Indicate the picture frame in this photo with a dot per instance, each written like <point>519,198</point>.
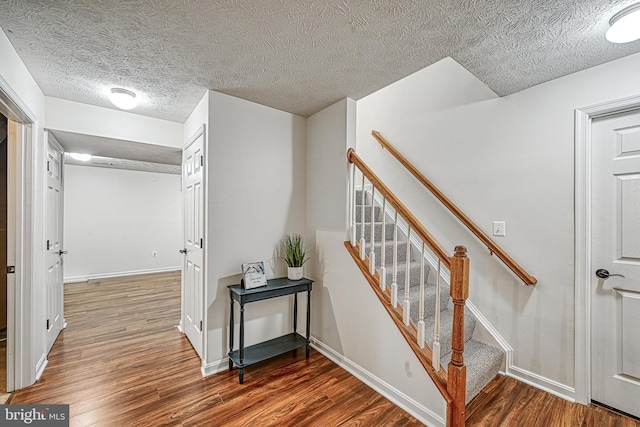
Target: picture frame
<point>253,275</point>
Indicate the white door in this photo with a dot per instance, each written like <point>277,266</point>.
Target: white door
<point>54,250</point>
<point>193,162</point>
<point>615,301</point>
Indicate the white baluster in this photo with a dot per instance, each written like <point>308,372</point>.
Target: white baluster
<point>421,309</point>
<point>362,249</point>
<point>435,362</point>
<point>394,277</point>
<point>405,308</point>
<point>352,204</point>
<point>372,253</point>
<point>383,246</point>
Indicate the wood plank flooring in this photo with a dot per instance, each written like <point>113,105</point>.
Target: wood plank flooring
<point>121,362</point>
<point>506,402</point>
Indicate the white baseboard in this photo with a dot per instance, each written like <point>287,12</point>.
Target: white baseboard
<point>545,384</point>
<point>216,367</point>
<point>76,279</point>
<point>416,409</point>
<point>42,363</point>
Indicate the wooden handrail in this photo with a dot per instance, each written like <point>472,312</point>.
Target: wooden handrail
<point>491,245</point>
<point>405,213</point>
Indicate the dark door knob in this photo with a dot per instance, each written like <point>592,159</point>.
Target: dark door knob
<point>604,274</point>
<point>183,251</point>
<point>61,252</point>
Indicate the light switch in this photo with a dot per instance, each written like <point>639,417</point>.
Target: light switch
<point>499,228</point>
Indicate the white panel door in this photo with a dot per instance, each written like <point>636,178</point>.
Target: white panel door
<point>54,250</point>
<point>193,266</point>
<point>615,300</point>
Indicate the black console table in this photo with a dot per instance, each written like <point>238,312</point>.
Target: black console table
<point>257,353</point>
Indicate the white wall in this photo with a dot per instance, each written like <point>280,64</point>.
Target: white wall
<point>256,194</point>
<point>114,219</point>
<point>508,159</point>
<point>31,336</point>
<point>87,119</point>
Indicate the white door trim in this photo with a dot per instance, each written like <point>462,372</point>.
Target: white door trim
<point>20,194</point>
<point>583,276</point>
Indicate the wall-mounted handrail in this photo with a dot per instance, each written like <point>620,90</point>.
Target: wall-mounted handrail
<point>416,227</point>
<point>491,245</point>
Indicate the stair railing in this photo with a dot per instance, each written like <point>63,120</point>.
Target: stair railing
<point>455,210</point>
<point>452,383</point>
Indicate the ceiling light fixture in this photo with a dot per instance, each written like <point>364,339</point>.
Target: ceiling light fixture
<point>122,98</point>
<point>625,25</point>
<point>81,157</point>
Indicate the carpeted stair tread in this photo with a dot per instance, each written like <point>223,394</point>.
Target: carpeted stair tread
<point>429,301</point>
<point>414,273</point>
<point>388,252</point>
<point>367,197</point>
<point>483,363</point>
<point>389,226</point>
<point>446,326</point>
<point>367,214</point>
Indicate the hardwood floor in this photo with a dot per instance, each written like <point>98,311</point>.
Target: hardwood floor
<point>121,362</point>
<point>506,402</point>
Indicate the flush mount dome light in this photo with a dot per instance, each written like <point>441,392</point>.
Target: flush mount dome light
<point>81,157</point>
<point>625,25</point>
<point>122,98</point>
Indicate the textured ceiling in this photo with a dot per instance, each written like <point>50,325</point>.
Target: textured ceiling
<point>296,55</point>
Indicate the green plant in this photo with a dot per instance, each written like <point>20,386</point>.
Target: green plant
<point>296,250</point>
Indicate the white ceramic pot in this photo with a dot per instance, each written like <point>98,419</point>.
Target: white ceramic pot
<point>294,273</point>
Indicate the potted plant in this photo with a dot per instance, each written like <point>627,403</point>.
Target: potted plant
<point>295,254</point>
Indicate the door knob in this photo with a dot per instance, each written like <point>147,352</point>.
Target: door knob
<point>604,274</point>
<point>183,251</point>
<point>61,252</point>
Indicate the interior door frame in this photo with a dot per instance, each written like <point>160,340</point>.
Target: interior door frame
<point>20,233</point>
<point>582,275</point>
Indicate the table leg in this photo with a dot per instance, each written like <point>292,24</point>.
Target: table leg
<point>231,335</point>
<point>241,373</point>
<point>308,319</point>
<point>295,312</point>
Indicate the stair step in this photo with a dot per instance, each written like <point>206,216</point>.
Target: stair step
<point>367,197</point>
<point>367,213</point>
<point>389,226</point>
<point>429,301</point>
<point>388,252</point>
<point>414,273</point>
<point>483,363</point>
<point>446,325</point>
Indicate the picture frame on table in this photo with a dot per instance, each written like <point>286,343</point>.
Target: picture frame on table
<point>253,275</point>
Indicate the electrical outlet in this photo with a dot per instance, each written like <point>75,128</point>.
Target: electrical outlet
<point>154,253</point>
<point>499,228</point>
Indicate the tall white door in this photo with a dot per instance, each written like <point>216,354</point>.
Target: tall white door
<point>54,309</point>
<point>615,300</point>
<point>193,163</point>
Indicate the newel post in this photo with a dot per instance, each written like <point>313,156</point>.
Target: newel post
<point>457,371</point>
